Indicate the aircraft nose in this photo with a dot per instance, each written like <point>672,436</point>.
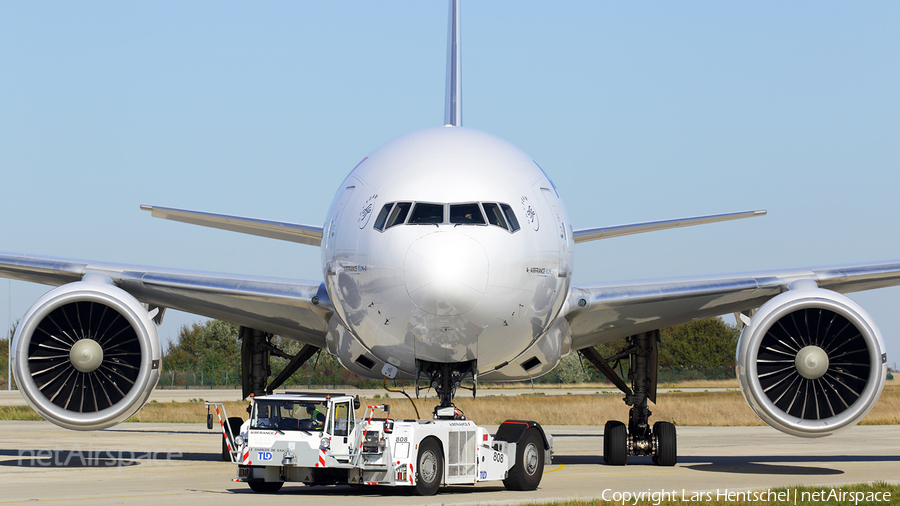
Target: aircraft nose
<point>446,273</point>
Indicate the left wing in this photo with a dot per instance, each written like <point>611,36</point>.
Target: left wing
<point>291,308</point>
<point>281,230</point>
<point>607,311</point>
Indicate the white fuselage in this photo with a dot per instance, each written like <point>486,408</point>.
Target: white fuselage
<point>448,292</point>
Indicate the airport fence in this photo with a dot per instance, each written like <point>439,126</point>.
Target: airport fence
<point>230,377</point>
<point>322,373</point>
<point>562,375</point>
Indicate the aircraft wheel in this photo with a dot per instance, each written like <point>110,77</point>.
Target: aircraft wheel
<point>429,467</point>
<point>235,423</point>
<point>265,487</point>
<point>666,444</point>
<point>615,443</point>
<point>606,441</point>
<point>526,474</point>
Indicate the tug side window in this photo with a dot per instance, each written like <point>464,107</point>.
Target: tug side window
<point>343,419</point>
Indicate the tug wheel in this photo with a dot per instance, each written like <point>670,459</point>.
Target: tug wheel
<point>526,474</point>
<point>429,467</point>
<point>265,487</point>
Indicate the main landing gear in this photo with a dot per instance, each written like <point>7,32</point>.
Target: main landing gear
<point>256,350</point>
<point>638,438</point>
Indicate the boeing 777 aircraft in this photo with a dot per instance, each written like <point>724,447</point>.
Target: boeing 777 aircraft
<point>447,256</point>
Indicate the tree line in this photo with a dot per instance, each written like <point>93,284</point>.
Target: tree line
<point>4,355</point>
<point>209,354</point>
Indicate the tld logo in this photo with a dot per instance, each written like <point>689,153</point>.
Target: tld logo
<point>264,456</point>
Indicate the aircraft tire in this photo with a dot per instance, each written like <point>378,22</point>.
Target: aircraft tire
<point>615,443</point>
<point>666,443</point>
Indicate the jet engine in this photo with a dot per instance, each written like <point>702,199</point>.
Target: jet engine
<point>811,361</point>
<point>86,354</point>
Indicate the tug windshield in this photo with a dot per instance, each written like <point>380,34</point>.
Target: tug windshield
<point>288,415</point>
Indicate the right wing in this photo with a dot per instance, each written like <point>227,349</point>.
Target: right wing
<point>592,234</point>
<point>290,308</point>
<point>281,230</point>
<point>604,312</point>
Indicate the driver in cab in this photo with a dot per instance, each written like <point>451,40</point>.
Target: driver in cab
<point>316,417</point>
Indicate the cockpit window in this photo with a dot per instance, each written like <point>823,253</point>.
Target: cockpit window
<point>466,214</point>
<point>494,215</point>
<point>382,216</point>
<point>398,215</point>
<point>510,217</point>
<point>427,214</point>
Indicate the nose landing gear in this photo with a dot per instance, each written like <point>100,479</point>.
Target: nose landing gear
<point>445,379</point>
<point>638,438</point>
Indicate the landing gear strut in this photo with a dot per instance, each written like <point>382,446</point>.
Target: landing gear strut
<point>638,439</point>
<point>445,379</point>
<point>256,350</point>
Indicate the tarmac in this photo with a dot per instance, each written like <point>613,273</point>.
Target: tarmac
<point>150,464</point>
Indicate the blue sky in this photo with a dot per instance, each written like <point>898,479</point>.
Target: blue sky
<point>637,111</point>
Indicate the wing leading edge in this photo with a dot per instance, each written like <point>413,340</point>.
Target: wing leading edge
<point>607,311</point>
<point>283,231</point>
<point>593,234</point>
<point>291,308</point>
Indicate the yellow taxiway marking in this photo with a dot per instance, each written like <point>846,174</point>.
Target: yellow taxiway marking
<point>561,466</point>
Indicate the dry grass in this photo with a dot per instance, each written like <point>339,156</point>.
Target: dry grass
<point>729,383</point>
<point>703,409</point>
<point>185,412</point>
<point>698,409</point>
<point>18,413</point>
<point>719,409</point>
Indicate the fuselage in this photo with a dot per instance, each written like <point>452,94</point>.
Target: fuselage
<point>448,245</point>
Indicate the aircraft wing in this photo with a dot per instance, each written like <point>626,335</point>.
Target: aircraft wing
<point>607,311</point>
<point>281,230</point>
<point>592,234</point>
<point>290,308</point>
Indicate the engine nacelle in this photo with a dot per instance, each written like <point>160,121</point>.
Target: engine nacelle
<point>811,361</point>
<point>86,355</point>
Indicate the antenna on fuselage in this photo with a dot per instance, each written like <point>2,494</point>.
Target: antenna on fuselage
<point>453,107</point>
